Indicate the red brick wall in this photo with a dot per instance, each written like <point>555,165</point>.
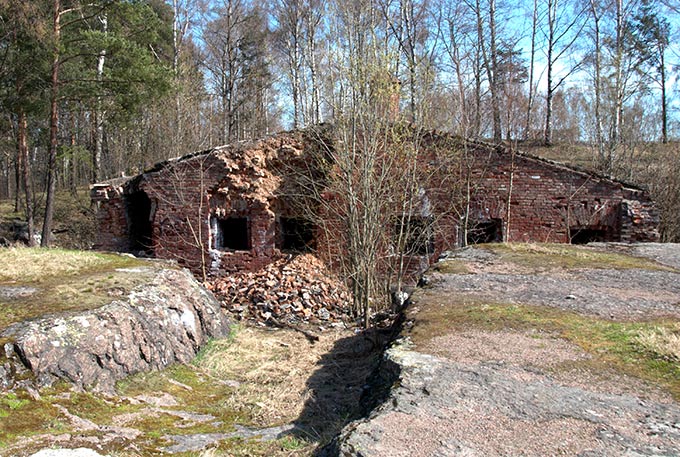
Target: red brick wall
<point>546,201</point>
<point>233,182</point>
<point>111,220</point>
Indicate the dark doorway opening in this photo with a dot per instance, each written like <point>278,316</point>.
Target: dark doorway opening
<point>490,231</point>
<point>232,233</point>
<point>140,220</point>
<point>585,235</point>
<point>417,235</point>
<point>295,235</point>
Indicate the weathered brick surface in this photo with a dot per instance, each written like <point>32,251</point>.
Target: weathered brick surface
<point>186,193</point>
<point>546,202</point>
<point>111,218</point>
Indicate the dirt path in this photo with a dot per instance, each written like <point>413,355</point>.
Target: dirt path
<point>515,354</point>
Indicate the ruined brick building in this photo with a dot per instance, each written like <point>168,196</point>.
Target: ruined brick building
<point>230,208</point>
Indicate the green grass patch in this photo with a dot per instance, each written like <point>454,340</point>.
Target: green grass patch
<point>13,402</point>
<point>292,443</point>
<point>623,346</point>
<point>451,267</point>
<point>543,257</point>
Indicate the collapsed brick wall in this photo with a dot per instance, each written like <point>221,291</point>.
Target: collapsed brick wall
<point>190,195</point>
<point>639,217</point>
<point>189,198</point>
<point>112,234</point>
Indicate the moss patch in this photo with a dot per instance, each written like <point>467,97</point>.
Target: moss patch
<point>543,257</point>
<point>286,446</point>
<point>95,408</point>
<point>194,391</point>
<point>614,345</point>
<point>21,416</point>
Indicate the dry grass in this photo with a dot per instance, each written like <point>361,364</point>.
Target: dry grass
<point>62,280</point>
<point>542,257</point>
<point>284,378</point>
<point>451,267</point>
<point>27,265</point>
<point>272,367</point>
<point>663,342</point>
<point>573,154</point>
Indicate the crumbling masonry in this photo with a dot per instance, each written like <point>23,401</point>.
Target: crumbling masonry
<point>225,209</point>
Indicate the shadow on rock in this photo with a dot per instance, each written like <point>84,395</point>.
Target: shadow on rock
<point>348,384</point>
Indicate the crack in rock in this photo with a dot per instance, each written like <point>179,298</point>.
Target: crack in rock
<point>198,441</point>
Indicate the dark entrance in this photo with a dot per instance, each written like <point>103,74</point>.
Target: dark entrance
<point>295,235</point>
<point>140,221</point>
<point>417,235</point>
<point>490,231</point>
<point>585,235</point>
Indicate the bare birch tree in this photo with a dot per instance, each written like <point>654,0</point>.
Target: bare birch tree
<point>291,19</point>
<point>562,29</point>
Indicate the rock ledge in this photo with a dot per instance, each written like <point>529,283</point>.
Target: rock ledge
<point>160,323</point>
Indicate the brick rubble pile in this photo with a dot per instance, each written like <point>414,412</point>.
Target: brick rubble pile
<point>297,289</point>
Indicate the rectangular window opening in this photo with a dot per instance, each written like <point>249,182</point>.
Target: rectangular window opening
<point>416,235</point>
<point>232,233</point>
<point>490,231</point>
<point>296,234</point>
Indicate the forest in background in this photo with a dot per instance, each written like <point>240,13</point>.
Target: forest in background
<point>104,88</point>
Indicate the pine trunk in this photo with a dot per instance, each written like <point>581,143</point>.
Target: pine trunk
<point>54,131</point>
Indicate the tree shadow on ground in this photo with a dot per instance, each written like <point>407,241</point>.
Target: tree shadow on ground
<point>346,386</point>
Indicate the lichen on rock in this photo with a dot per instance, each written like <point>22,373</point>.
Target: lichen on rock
<point>157,324</point>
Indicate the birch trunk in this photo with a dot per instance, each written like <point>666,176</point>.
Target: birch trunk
<point>99,113</point>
